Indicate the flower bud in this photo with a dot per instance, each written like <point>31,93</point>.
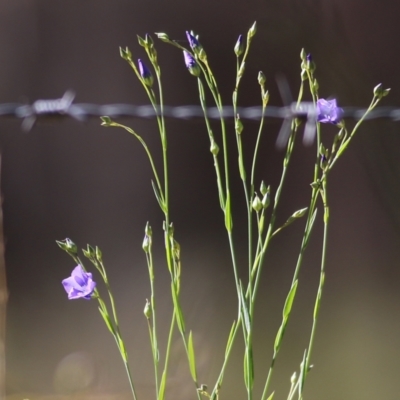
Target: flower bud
<point>147,230</point>
<point>193,42</point>
<point>379,92</point>
<point>303,55</point>
<point>146,244</point>
<point>323,161</point>
<point>252,31</point>
<point>239,46</point>
<point>191,64</point>
<point>256,204</point>
<point>261,78</point>
<point>147,309</point>
<point>263,188</point>
<point>141,41</point>
<point>145,74</point>
<point>68,245</point>
<point>238,125</point>
<point>148,40</point>
<point>162,36</point>
<point>89,252</point>
<point>267,198</point>
<point>125,53</point>
<point>214,149</point>
<point>99,254</point>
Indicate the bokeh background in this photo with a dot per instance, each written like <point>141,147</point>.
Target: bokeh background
<point>92,184</point>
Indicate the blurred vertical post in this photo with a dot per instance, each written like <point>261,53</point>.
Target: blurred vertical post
<point>3,305</point>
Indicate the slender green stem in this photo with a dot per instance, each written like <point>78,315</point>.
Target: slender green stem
<point>322,273</point>
<point>211,136</point>
<point>152,326</point>
<point>143,143</point>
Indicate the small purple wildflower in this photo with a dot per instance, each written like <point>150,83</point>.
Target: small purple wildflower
<point>145,73</point>
<point>328,111</point>
<point>80,284</point>
<point>191,64</point>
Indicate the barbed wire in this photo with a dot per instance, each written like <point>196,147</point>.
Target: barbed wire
<point>64,107</point>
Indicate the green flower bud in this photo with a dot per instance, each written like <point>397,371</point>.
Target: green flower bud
<point>267,198</point>
<point>125,53</point>
<point>238,125</point>
<point>239,46</point>
<point>303,55</point>
<point>261,78</point>
<point>256,204</point>
<point>252,31</point>
<point>147,310</point>
<point>106,121</point>
<point>142,42</point>
<point>162,36</point>
<point>146,244</point>
<point>99,254</point>
<point>68,245</point>
<point>148,231</point>
<point>89,253</point>
<point>379,92</point>
<point>214,148</point>
<point>263,188</point>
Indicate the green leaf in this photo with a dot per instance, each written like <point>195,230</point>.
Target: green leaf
<point>178,311</point>
<point>158,197</point>
<point>230,338</point>
<point>302,376</point>
<point>192,359</point>
<point>319,295</point>
<point>122,349</point>
<point>161,391</point>
<point>248,373</point>
<point>271,396</point>
<point>279,337</point>
<point>292,218</point>
<point>244,310</point>
<point>289,300</point>
<point>141,41</point>
<point>107,320</point>
<point>245,370</point>
<point>309,229</point>
<point>228,216</point>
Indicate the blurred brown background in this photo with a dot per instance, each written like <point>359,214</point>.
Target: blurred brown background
<point>93,185</point>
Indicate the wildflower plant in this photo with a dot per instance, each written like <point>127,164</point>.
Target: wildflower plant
<point>262,207</point>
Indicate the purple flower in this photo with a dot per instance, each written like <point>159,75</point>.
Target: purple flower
<point>79,284</point>
<point>328,111</point>
<point>145,73</point>
<point>191,64</point>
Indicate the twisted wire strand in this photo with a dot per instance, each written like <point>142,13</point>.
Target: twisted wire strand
<point>64,107</point>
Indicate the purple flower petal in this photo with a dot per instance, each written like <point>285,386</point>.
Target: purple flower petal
<point>80,284</point>
<point>328,111</point>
